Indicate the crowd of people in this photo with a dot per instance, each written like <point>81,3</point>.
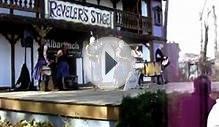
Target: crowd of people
<point>58,68</point>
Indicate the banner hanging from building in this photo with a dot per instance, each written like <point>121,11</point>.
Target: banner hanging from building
<point>74,49</point>
<point>60,10</point>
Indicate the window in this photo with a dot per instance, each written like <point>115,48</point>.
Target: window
<point>157,15</point>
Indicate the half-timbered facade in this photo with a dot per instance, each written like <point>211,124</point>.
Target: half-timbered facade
<point>60,21</point>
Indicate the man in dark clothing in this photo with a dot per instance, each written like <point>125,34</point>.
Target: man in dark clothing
<point>159,57</point>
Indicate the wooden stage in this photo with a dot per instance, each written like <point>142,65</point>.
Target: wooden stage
<point>85,103</point>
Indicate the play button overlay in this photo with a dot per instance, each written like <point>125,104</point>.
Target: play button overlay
<point>107,62</point>
<point>110,63</point>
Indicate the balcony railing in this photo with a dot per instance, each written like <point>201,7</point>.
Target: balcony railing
<point>125,21</point>
<point>131,21</point>
<point>24,5</point>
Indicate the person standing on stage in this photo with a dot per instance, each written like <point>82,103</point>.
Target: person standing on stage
<point>138,55</point>
<point>93,52</point>
<point>62,65</point>
<point>42,61</point>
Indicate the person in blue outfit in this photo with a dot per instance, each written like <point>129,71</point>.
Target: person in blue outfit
<point>62,65</point>
<point>42,61</point>
<point>163,61</point>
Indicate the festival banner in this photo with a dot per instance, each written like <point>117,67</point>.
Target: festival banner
<point>76,13</point>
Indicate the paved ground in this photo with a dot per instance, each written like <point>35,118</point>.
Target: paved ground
<point>186,86</point>
<point>97,96</point>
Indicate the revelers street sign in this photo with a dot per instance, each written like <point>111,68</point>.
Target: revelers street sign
<point>79,14</point>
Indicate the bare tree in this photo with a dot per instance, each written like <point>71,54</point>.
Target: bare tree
<point>205,43</point>
<point>204,64</point>
<point>201,47</point>
<point>215,30</point>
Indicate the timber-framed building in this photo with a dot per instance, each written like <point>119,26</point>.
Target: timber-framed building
<point>59,21</point>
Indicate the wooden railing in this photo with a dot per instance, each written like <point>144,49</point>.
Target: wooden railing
<point>131,21</point>
<point>127,21</point>
<point>24,5</point>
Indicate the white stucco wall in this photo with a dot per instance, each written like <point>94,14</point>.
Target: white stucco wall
<point>144,7</point>
<point>24,13</point>
<point>119,5</point>
<point>5,62</point>
<point>79,70</point>
<point>106,3</point>
<point>20,56</point>
<point>4,11</point>
<point>17,12</point>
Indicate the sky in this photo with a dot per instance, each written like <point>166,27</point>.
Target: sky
<point>184,25</point>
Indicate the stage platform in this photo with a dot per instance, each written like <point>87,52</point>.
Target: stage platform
<point>84,103</point>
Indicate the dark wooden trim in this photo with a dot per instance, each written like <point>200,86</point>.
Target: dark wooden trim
<point>151,50</point>
<point>98,2</point>
<point>42,8</point>
<point>32,65</point>
<point>161,39</point>
<point>114,3</point>
<point>128,21</point>
<point>13,65</point>
<point>149,8</point>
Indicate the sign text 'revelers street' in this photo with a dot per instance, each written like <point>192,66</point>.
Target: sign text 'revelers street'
<point>79,14</point>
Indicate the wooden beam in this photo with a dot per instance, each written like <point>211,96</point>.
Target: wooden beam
<point>114,3</point>
<point>86,111</point>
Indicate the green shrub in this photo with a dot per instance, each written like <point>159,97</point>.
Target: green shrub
<point>24,123</point>
<point>145,110</point>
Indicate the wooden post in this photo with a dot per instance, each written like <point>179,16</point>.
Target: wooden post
<point>12,38</point>
<point>98,2</point>
<point>32,66</point>
<point>139,17</point>
<point>151,48</point>
<point>114,2</point>
<point>42,9</point>
<point>149,8</point>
